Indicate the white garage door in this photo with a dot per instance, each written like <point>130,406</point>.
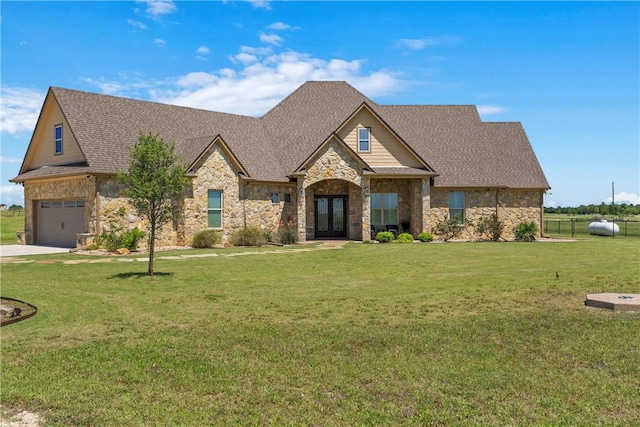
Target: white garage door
<point>58,221</point>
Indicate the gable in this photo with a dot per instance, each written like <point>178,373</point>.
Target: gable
<point>386,150</point>
<point>41,151</point>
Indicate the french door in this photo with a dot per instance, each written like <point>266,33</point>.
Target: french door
<point>331,217</point>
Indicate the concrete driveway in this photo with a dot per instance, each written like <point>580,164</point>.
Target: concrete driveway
<point>20,250</point>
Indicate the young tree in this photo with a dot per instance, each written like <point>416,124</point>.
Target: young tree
<point>154,181</point>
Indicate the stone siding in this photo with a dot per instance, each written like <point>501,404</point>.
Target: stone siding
<point>514,207</point>
<point>332,172</point>
<point>245,204</point>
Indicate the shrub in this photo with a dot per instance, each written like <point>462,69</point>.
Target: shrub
<point>206,239</point>
<point>287,235</point>
<point>131,238</point>
<point>405,238</point>
<point>425,237</point>
<point>384,237</point>
<point>248,236</point>
<point>490,225</point>
<point>526,231</point>
<point>450,228</point>
<point>115,239</point>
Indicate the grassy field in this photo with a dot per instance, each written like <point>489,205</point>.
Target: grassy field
<point>423,334</point>
<point>9,224</point>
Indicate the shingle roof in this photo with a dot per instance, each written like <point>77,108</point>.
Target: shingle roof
<point>463,150</point>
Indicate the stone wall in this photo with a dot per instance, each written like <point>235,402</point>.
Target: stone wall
<point>514,207</point>
<point>71,188</point>
<point>245,203</point>
<point>332,172</point>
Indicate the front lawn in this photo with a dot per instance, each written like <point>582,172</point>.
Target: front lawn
<point>422,334</point>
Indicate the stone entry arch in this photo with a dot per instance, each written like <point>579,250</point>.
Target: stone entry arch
<point>334,191</point>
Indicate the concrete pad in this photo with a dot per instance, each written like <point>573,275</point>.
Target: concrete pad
<point>20,250</point>
<point>616,302</point>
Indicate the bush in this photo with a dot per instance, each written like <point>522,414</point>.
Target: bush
<point>114,239</point>
<point>248,236</point>
<point>384,237</point>
<point>450,228</point>
<point>526,231</point>
<point>490,225</point>
<point>405,238</point>
<point>287,235</point>
<point>425,237</point>
<point>206,239</point>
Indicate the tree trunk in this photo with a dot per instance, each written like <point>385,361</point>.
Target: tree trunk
<point>152,244</point>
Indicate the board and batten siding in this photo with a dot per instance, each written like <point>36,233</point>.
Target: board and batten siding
<point>386,149</point>
<point>44,140</point>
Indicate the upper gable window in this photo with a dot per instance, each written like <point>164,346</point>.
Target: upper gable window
<point>57,139</point>
<point>364,139</point>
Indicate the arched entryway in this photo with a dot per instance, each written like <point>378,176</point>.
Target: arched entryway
<point>334,210</point>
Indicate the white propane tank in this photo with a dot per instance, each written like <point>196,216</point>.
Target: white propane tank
<point>603,228</point>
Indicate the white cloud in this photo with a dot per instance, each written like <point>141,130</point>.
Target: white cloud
<point>624,197</point>
<point>264,78</point>
<point>489,109</point>
<point>279,26</point>
<point>159,42</point>
<point>7,160</point>
<point>244,58</point>
<point>417,44</point>
<point>273,39</point>
<point>19,109</point>
<point>260,4</point>
<point>107,87</point>
<point>137,24</point>
<point>203,50</point>
<point>158,8</point>
<point>12,195</point>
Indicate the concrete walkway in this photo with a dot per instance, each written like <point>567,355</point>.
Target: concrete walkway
<point>20,250</point>
<point>9,256</point>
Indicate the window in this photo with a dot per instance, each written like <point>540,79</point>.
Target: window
<point>456,206</point>
<point>364,139</point>
<point>214,209</point>
<point>287,198</point>
<point>384,209</point>
<point>58,139</point>
<point>275,198</point>
<point>69,203</point>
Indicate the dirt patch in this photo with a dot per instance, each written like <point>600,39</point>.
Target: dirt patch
<point>10,418</point>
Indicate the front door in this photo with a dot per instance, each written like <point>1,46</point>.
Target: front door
<point>331,218</point>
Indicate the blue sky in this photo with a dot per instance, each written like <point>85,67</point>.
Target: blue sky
<point>568,71</point>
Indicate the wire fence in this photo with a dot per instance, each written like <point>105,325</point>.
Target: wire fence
<point>575,226</point>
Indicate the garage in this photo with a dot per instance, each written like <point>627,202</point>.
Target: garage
<point>58,222</point>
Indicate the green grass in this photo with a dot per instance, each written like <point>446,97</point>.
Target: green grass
<point>9,224</point>
<point>424,334</point>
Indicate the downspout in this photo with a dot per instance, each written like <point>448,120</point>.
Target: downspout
<point>541,214</point>
<point>97,202</point>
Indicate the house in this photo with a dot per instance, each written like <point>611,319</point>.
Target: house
<point>326,158</point>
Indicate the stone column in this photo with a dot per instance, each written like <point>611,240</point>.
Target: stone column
<point>302,212</point>
<point>426,203</point>
<point>366,209</point>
